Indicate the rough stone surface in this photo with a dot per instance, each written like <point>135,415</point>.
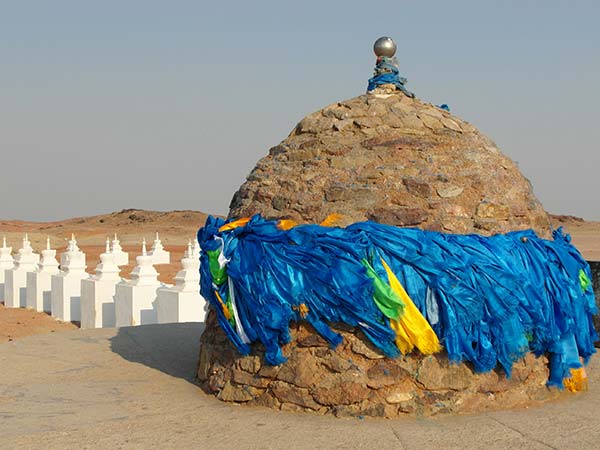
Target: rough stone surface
<point>395,160</point>
<point>388,158</point>
<point>346,382</point>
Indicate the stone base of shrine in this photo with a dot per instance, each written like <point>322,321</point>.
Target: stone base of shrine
<point>355,379</point>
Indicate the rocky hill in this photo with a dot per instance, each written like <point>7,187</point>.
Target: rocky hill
<point>177,225</point>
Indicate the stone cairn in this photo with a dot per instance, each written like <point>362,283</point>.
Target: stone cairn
<point>392,159</point>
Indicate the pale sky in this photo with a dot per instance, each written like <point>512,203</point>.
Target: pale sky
<point>168,105</point>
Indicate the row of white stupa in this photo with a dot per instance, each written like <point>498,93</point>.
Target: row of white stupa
<point>105,299</point>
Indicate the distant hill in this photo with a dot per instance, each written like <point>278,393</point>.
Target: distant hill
<point>562,219</point>
<point>175,226</point>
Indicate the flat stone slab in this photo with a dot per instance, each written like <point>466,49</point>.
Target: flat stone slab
<point>134,388</point>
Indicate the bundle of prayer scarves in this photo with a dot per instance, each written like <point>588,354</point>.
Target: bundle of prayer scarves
<point>387,72</point>
<point>485,300</point>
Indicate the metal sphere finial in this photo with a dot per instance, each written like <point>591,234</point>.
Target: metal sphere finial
<point>384,46</point>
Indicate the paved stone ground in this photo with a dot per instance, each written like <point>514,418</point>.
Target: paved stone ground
<point>133,388</point>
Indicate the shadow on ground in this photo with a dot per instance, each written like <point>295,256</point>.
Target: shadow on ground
<point>171,348</point>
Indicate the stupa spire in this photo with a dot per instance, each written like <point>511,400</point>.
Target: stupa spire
<point>6,259</point>
<point>26,243</point>
<point>189,253</point>
<point>73,259</point>
<point>121,257</point>
<point>48,262</point>
<point>188,278</point>
<point>158,252</point>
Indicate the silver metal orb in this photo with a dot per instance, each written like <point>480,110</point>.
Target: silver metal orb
<point>384,46</point>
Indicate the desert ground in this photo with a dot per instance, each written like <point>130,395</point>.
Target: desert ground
<point>134,387</point>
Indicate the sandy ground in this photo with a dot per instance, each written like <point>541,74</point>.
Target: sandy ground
<point>16,323</point>
<point>133,388</point>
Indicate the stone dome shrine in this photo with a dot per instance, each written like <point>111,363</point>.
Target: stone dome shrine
<point>388,158</point>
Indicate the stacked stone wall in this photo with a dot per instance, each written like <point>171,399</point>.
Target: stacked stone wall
<point>356,380</point>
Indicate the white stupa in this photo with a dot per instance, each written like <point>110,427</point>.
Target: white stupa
<point>66,285</point>
<point>6,262</point>
<point>134,299</point>
<point>39,283</point>
<point>15,280</point>
<point>183,302</point>
<point>121,257</point>
<point>98,293</point>
<point>158,252</point>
